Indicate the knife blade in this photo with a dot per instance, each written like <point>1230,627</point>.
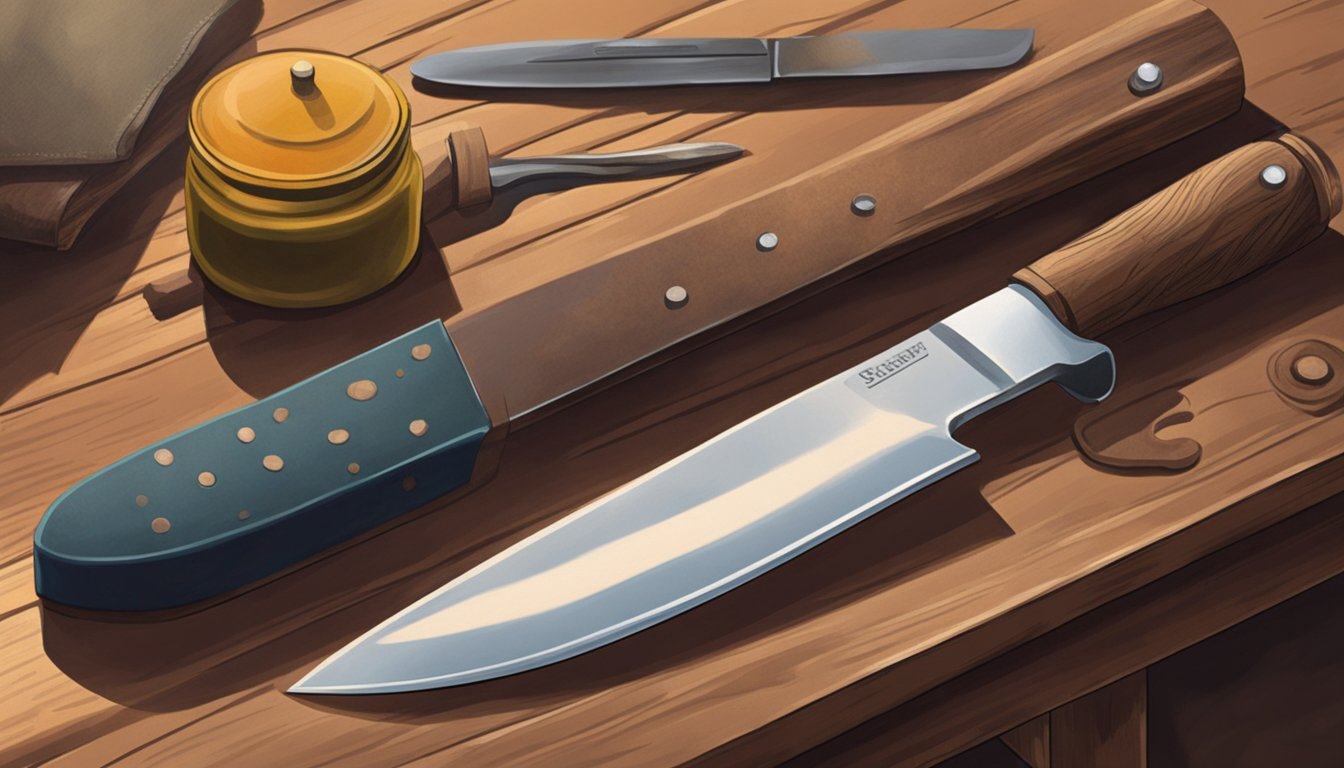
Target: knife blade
<point>638,62</point>
<point>822,461</point>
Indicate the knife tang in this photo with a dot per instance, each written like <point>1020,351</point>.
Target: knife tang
<point>1241,212</point>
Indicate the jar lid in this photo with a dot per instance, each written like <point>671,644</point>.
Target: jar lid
<point>298,119</point>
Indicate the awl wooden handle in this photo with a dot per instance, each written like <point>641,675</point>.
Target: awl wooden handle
<point>1241,212</point>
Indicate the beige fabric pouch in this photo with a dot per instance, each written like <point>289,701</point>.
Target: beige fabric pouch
<point>80,76</point>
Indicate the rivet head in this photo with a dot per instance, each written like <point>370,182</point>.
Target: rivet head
<point>408,483</point>
<point>1146,79</point>
<point>863,205</point>
<point>244,514</point>
<point>676,297</point>
<point>160,525</point>
<point>246,435</point>
<point>767,241</point>
<point>206,479</point>
<point>141,500</point>
<point>280,414</point>
<point>364,389</point>
<point>421,351</point>
<point>163,456</point>
<point>1273,176</point>
<point>273,463</point>
<point>1312,369</point>
<point>338,436</point>
<point>419,427</point>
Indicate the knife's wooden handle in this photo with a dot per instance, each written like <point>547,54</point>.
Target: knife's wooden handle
<point>457,172</point>
<point>1214,226</point>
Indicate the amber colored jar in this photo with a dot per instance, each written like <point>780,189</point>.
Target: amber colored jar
<point>301,187</point>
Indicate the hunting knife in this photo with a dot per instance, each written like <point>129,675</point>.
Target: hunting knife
<point>810,467</point>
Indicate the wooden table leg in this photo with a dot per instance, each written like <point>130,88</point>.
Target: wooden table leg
<point>1107,728</point>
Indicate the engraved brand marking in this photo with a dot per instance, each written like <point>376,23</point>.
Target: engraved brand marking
<point>163,456</point>
<point>280,415</point>
<point>880,372</point>
<point>364,389</point>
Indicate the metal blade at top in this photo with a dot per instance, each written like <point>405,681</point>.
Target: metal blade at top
<point>727,511</point>
<point>642,62</point>
<point>900,51</point>
<point>601,63</point>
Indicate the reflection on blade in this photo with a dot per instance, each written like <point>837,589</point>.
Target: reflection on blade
<point>722,513</point>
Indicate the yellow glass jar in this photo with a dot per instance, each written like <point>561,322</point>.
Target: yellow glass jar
<point>301,187</point>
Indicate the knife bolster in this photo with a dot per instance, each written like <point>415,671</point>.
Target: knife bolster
<point>268,485</point>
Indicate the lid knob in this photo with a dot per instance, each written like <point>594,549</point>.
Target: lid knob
<point>301,77</point>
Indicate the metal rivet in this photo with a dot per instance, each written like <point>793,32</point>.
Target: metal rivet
<point>1146,79</point>
<point>863,205</point>
<point>243,515</point>
<point>1273,176</point>
<point>273,463</point>
<point>421,351</point>
<point>1312,369</point>
<point>280,414</point>
<point>676,297</point>
<point>419,427</point>
<point>163,456</point>
<point>141,500</point>
<point>364,389</point>
<point>160,525</point>
<point>206,479</point>
<point>400,373</point>
<point>246,435</point>
<point>352,468</point>
<point>767,241</point>
<point>408,483</point>
<point>338,436</point>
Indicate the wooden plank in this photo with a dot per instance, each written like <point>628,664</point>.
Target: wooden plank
<point>1109,644</point>
<point>1031,741</point>
<point>581,225</point>
<point>1107,728</point>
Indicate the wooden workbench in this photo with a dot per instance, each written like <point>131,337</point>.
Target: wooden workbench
<point>988,603</point>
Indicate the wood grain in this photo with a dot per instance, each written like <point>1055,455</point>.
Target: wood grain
<point>1031,741</point>
<point>1214,226</point>
<point>1109,644</point>
<point>1107,728</point>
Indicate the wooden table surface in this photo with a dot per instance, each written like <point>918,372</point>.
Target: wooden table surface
<point>877,625</point>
